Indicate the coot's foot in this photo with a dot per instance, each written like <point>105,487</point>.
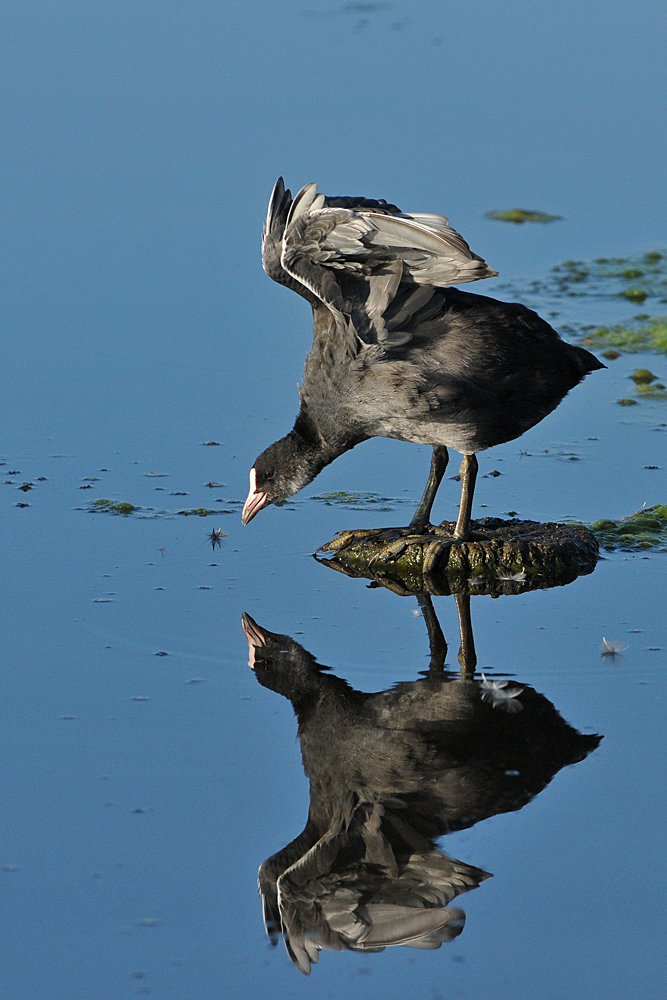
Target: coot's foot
<point>435,540</point>
<point>345,538</point>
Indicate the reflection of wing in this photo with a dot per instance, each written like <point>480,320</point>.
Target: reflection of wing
<point>352,253</point>
<point>369,883</point>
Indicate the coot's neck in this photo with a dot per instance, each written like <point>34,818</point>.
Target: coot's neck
<point>322,440</point>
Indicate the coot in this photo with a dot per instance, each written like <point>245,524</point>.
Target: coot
<point>389,773</point>
<point>396,351</point>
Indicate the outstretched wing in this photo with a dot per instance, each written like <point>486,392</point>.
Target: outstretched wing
<point>353,255</point>
<point>280,204</point>
<point>272,233</point>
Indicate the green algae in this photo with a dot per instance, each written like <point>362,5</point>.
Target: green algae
<point>631,273</point>
<point>520,215</point>
<point>646,529</point>
<point>634,279</point>
<point>358,500</point>
<point>112,507</point>
<point>104,506</point>
<point>648,334</point>
<point>656,391</point>
<point>642,376</point>
<point>201,512</point>
<point>634,294</point>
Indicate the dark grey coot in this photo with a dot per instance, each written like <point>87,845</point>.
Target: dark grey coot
<point>397,352</point>
<point>391,772</point>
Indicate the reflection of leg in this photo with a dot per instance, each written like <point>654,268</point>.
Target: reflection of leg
<point>439,460</point>
<point>436,638</point>
<point>468,473</point>
<point>467,655</point>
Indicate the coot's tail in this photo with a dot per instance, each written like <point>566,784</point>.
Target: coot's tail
<point>584,360</point>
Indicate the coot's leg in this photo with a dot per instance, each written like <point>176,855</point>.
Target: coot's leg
<point>468,473</point>
<point>439,461</point>
<point>436,638</point>
<point>467,654</point>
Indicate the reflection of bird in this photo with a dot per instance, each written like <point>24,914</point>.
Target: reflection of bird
<point>396,352</point>
<point>389,773</point>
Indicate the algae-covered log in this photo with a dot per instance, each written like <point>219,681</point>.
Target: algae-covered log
<point>511,557</point>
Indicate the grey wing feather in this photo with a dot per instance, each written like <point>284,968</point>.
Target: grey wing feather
<point>396,925</point>
<point>325,246</point>
<point>272,234</point>
<point>360,258</point>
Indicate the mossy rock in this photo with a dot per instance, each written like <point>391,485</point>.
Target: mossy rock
<point>529,555</point>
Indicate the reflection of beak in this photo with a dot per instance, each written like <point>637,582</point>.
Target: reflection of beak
<point>252,631</point>
<point>254,635</point>
<point>255,501</point>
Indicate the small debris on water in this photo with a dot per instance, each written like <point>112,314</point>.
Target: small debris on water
<point>215,538</point>
<point>500,695</point>
<point>611,648</point>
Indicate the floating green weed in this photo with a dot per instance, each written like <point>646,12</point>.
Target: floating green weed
<point>634,294</point>
<point>656,391</point>
<point>642,376</point>
<point>647,529</point>
<point>609,276</point>
<point>201,511</point>
<point>520,215</point>
<point>112,507</point>
<point>115,507</point>
<point>634,279</point>
<point>648,334</point>
<point>358,501</point>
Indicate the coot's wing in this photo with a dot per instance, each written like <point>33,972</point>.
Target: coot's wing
<point>325,244</point>
<point>272,233</point>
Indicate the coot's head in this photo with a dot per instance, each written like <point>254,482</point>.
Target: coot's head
<point>281,471</point>
<point>279,663</point>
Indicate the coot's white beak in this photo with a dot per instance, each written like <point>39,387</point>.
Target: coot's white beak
<point>254,635</point>
<point>256,500</point>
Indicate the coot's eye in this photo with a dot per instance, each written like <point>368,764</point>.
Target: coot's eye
<point>269,474</point>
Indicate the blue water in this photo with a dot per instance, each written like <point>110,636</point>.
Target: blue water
<point>142,792</point>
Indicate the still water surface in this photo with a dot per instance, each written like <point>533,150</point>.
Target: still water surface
<point>146,774</point>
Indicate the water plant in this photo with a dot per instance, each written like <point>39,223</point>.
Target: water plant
<point>358,500</point>
<point>112,507</point>
<point>645,334</point>
<point>520,215</point>
<point>645,529</point>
